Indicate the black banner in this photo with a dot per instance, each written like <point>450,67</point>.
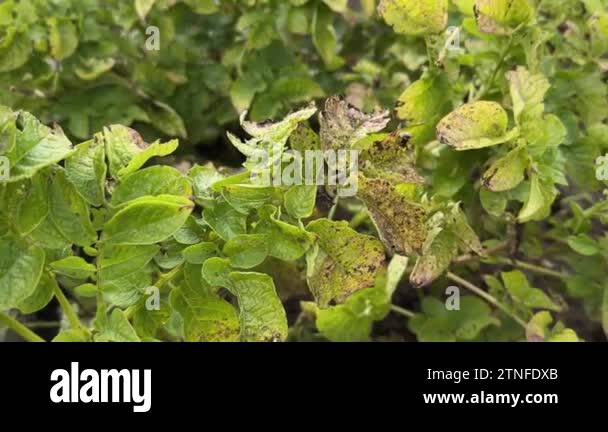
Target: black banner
<point>271,378</point>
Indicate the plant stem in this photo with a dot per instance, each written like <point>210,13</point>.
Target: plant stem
<point>19,328</point>
<point>402,311</point>
<point>332,211</point>
<point>489,298</point>
<point>68,310</point>
<point>534,268</point>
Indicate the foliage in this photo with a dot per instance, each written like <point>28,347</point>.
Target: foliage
<point>486,176</point>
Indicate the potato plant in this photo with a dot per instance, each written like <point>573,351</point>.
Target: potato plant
<point>479,210</point>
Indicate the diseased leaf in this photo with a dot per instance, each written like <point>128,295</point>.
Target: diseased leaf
<point>342,125</point>
<point>400,222</point>
<point>501,16</point>
<point>225,220</point>
<point>507,172</point>
<point>342,263</point>
<point>475,125</point>
<point>42,295</point>
<point>63,38</point>
<point>412,17</point>
<point>435,259</point>
<point>206,318</point>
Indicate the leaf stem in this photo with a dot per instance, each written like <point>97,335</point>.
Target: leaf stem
<point>534,268</point>
<point>486,296</point>
<point>402,311</point>
<point>68,310</point>
<point>19,328</point>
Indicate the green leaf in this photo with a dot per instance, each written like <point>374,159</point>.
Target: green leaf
<point>537,330</point>
<point>155,149</point>
<point>400,222</point>
<point>261,312</point>
<point>342,263</point>
<point>324,37</point>
<point>353,320</point>
<point>151,181</point>
<point>115,328</point>
<point>500,16</point>
<point>116,262</point>
<point>31,202</point>
<point>206,318</point>
<point>539,200</point>
<point>520,290</point>
<point>143,7</point>
<point>63,38</point>
<point>438,324</point>
<point>72,335</point>
<point>20,271</point>
<point>528,94</point>
<point>36,146</point>
<point>215,271</point>
<point>199,253</point>
<point>285,241</point>
<point>86,170</point>
<point>584,245</point>
<point>225,220</point>
<point>121,145</point>
<point>475,125</point>
<point>247,250</point>
<point>69,211</point>
<point>413,17</point>
<point>147,220</point>
<point>15,50</point>
<point>203,7</point>
<point>300,200</point>
<point>422,105</point>
<point>246,197</point>
<point>74,267</point>
<point>507,172</point>
<point>42,295</point>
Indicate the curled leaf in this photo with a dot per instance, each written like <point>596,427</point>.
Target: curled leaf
<point>342,124</point>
